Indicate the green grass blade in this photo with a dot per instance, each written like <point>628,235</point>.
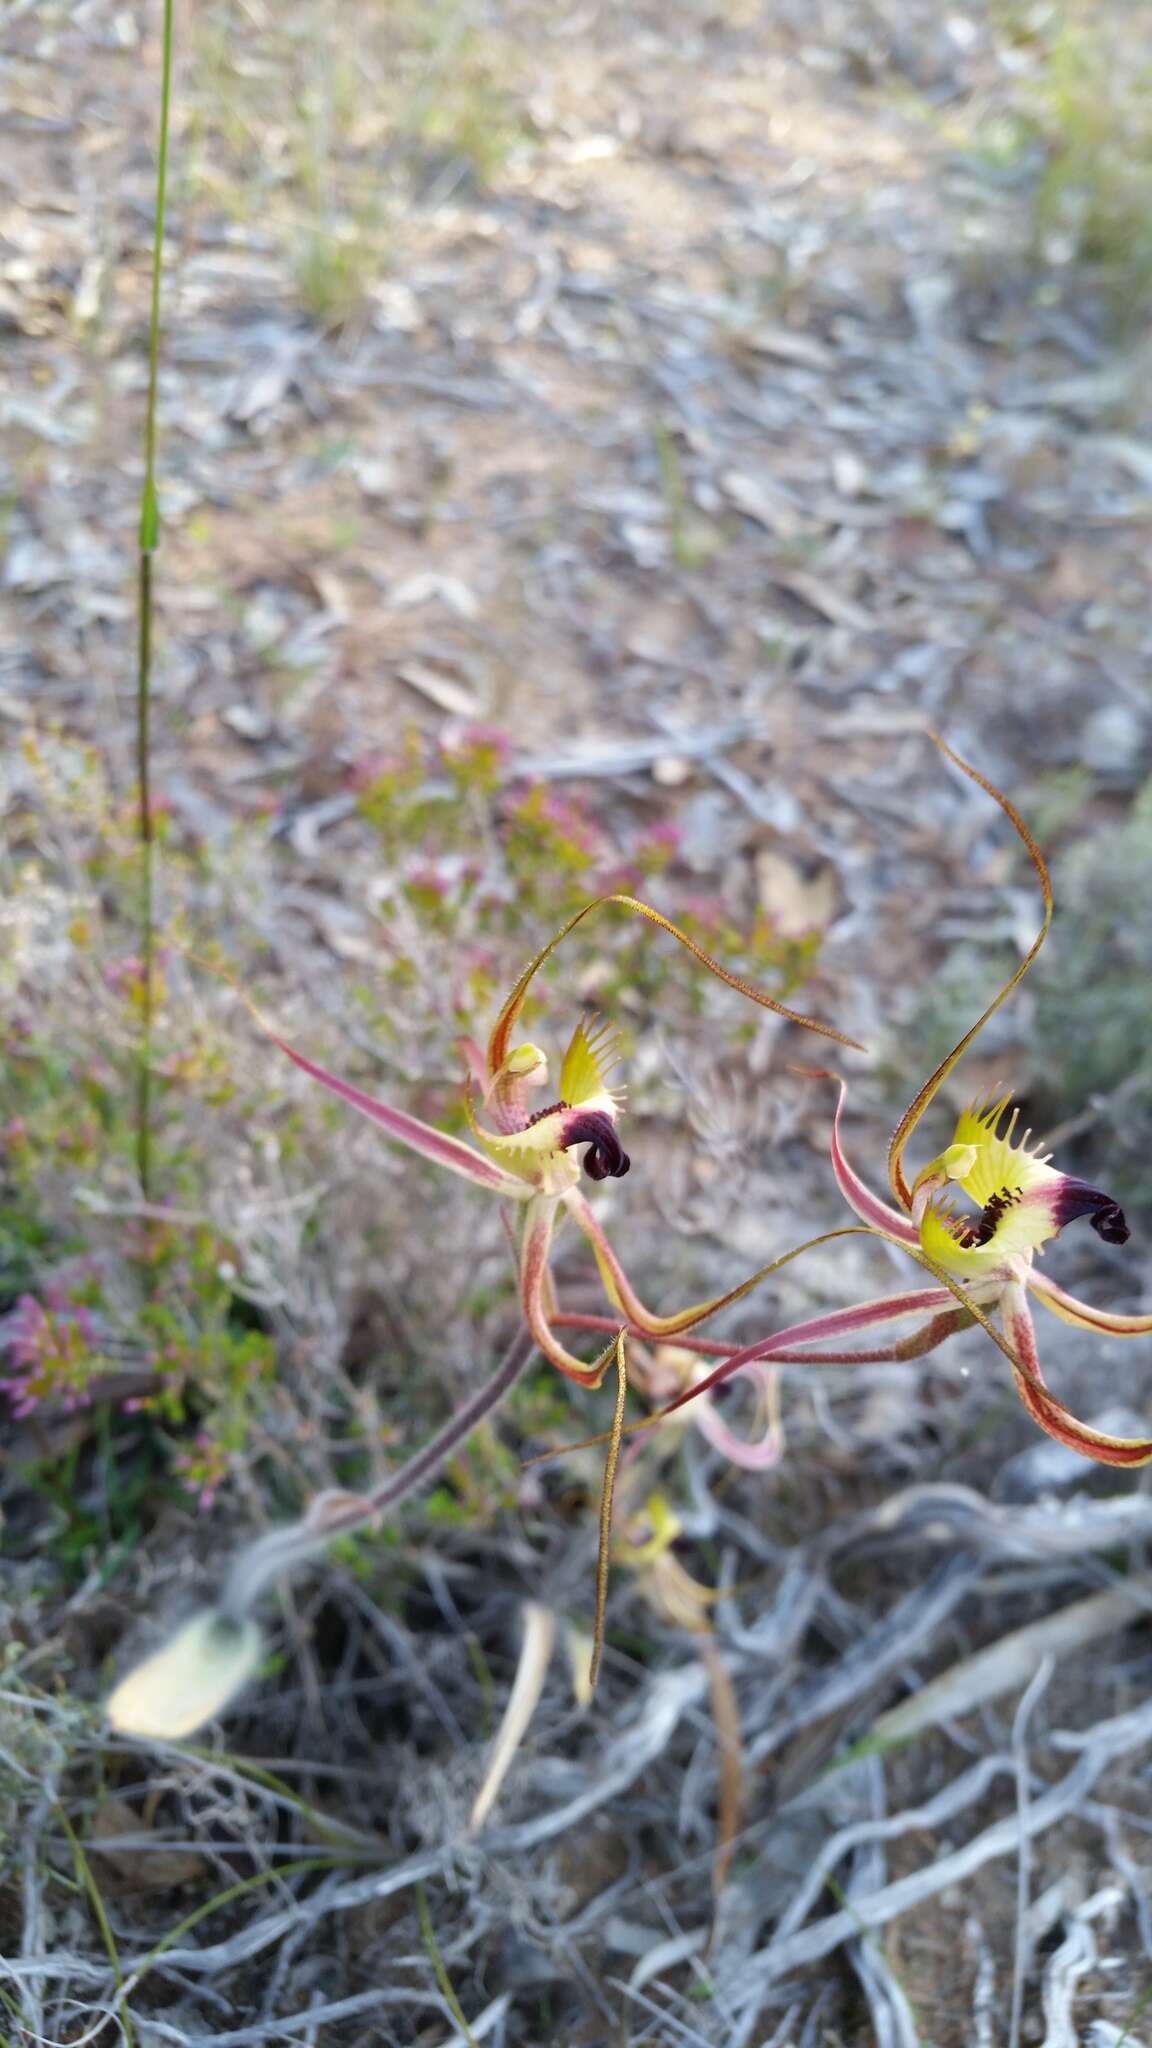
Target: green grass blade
<point>428,1933</point>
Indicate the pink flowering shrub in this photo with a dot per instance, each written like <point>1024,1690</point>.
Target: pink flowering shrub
<point>482,861</point>
<point>52,1350</point>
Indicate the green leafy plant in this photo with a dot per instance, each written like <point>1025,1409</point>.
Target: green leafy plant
<point>1095,192</point>
<point>477,860</point>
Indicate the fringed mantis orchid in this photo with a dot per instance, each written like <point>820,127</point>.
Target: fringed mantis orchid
<point>983,1257</point>
<point>524,1157</point>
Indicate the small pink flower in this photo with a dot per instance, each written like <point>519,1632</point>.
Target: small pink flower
<point>474,739</point>
<point>203,1468</point>
<point>126,975</point>
<point>664,837</point>
<point>52,1350</point>
<point>428,878</point>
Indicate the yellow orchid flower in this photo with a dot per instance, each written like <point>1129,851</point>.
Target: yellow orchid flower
<point>1020,1199</point>
<point>983,1254</point>
<point>529,1157</point>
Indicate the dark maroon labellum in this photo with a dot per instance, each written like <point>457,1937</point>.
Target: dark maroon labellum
<point>605,1158</point>
<point>1076,1198</point>
<point>1110,1224</point>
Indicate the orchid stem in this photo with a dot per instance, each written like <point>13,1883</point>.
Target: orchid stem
<point>149,541</point>
<point>265,1559</point>
<point>607,1499</point>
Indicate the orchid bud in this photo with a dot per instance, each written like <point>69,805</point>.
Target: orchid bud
<point>527,1063</point>
<point>957,1161</point>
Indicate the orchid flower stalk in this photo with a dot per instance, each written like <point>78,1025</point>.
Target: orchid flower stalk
<point>149,541</point>
<point>977,1218</point>
<point>199,1670</point>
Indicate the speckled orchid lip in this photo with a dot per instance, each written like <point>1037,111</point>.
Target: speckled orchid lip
<point>1013,1221</point>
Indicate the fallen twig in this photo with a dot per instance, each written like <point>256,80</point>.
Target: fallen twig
<point>1101,1745</point>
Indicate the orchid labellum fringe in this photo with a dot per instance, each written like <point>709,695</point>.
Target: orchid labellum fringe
<point>149,541</point>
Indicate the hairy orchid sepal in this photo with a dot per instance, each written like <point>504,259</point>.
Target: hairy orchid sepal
<point>537,1305</point>
<point>440,1147</point>
<point>1082,1315</point>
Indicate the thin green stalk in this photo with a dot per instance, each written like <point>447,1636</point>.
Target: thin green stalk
<point>447,1988</point>
<point>263,1560</point>
<point>149,541</point>
<point>84,1873</point>
<point>1132,2018</point>
<point>277,1875</point>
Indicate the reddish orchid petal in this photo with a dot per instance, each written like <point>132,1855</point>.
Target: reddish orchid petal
<point>761,1454</point>
<point>536,1298</point>
<point>926,1339</point>
<point>1082,1315</point>
<point>410,1131</point>
<point>818,1330</point>
<point>856,1192</point>
<point>1043,1406</point>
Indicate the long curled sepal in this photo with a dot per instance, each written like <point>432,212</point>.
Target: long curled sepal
<point>924,1095</point>
<point>499,1042</point>
<point>410,1131</point>
<point>1017,1341</point>
<point>1043,1406</point>
<point>539,1224</point>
